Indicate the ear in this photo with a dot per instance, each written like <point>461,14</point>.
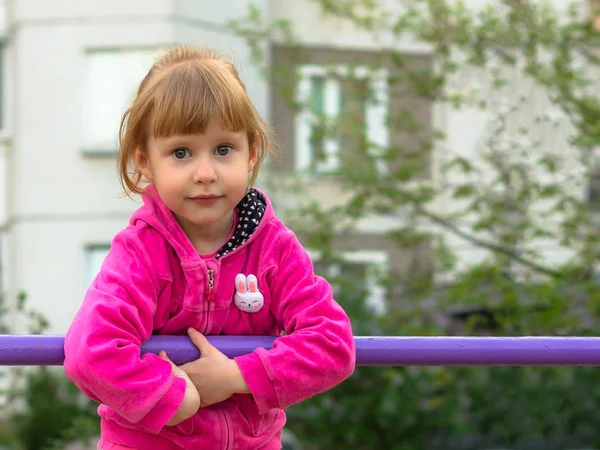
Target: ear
<point>140,158</point>
<point>253,157</point>
<point>240,283</point>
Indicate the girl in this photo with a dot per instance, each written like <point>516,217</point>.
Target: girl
<point>205,254</point>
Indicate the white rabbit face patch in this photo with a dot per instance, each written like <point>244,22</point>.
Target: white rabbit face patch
<point>247,296</point>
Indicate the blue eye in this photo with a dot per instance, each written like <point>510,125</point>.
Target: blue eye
<point>180,153</point>
<point>223,150</point>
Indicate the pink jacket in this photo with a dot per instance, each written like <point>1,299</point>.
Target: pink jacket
<point>154,282</point>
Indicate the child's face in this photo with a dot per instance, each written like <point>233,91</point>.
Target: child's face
<point>200,177</point>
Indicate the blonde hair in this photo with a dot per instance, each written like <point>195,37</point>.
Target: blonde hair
<point>182,91</point>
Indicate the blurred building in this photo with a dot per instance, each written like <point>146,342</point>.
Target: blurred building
<point>69,67</point>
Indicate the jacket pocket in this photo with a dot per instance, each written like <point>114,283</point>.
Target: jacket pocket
<point>258,423</point>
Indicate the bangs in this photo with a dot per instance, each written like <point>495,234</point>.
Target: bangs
<point>186,96</point>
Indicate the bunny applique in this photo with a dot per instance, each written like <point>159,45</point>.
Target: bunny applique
<point>247,296</point>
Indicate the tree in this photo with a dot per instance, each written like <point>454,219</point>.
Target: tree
<point>530,70</point>
<point>44,410</point>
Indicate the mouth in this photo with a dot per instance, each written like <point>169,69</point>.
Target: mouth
<point>205,199</point>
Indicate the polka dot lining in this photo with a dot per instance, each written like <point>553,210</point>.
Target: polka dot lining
<point>250,212</point>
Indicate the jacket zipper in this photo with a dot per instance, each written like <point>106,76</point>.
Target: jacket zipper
<point>211,285</point>
<point>210,295</point>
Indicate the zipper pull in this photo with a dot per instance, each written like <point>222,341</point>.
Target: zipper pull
<point>211,285</point>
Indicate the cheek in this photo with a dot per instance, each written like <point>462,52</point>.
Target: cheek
<point>236,178</point>
<point>170,179</point>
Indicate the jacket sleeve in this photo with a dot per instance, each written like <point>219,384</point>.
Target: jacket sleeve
<point>102,345</point>
<point>316,353</point>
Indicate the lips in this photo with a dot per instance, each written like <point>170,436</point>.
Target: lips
<point>205,199</point>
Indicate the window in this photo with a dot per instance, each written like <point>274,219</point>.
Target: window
<point>369,267</point>
<point>594,14</point>
<point>94,257</point>
<point>3,105</point>
<point>110,82</point>
<point>4,87</point>
<point>343,115</point>
<point>593,191</point>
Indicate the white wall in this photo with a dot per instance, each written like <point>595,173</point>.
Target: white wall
<point>60,200</point>
<point>205,25</point>
<point>314,28</point>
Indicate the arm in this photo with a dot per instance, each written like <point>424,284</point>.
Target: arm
<point>102,345</point>
<point>318,349</point>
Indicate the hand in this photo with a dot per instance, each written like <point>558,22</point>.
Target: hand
<point>191,398</point>
<point>215,376</point>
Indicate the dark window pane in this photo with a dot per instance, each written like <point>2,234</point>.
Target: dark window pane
<point>352,120</point>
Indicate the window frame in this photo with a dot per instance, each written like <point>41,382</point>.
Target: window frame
<point>377,131</point>
<point>379,260</point>
<point>91,145</point>
<point>92,261</point>
<point>5,90</point>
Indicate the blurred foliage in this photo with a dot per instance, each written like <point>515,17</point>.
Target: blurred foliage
<point>43,410</point>
<point>527,73</point>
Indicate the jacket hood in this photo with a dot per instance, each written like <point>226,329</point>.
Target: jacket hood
<point>252,214</point>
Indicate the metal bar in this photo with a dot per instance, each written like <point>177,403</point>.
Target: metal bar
<point>34,350</point>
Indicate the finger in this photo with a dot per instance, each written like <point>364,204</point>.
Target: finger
<point>200,341</point>
<point>175,370</point>
<point>204,403</point>
<point>186,367</point>
<point>163,355</point>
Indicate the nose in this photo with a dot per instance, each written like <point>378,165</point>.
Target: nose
<point>204,172</point>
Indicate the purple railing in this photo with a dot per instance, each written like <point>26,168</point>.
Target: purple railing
<point>47,350</point>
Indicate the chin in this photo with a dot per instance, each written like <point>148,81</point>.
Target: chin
<point>202,222</point>
<point>206,221</point>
